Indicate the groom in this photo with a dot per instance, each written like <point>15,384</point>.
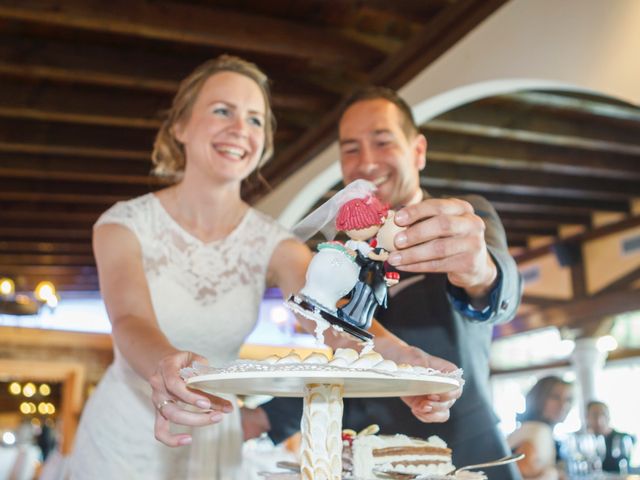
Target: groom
<point>457,281</point>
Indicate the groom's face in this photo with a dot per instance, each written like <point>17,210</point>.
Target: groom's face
<point>373,146</point>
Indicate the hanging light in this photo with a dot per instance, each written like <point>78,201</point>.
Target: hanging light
<point>29,390</point>
<point>15,388</point>
<point>44,291</point>
<point>7,287</point>
<point>12,303</point>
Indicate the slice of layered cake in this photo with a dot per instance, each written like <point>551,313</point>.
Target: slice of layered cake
<point>399,453</point>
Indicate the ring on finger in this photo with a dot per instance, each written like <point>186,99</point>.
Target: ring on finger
<point>163,404</point>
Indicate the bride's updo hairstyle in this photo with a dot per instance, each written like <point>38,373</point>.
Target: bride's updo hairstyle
<point>168,155</point>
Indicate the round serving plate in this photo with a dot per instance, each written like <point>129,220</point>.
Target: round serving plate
<point>356,383</point>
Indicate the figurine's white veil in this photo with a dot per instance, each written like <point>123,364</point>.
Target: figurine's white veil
<point>323,218</point>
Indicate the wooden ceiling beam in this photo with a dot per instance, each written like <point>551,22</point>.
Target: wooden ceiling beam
<point>595,187</point>
<point>48,115</point>
<point>522,117</point>
<point>556,218</point>
<point>529,185</point>
<point>36,184</point>
<point>51,223</point>
<point>102,108</point>
<point>74,164</point>
<point>59,102</point>
<point>47,259</point>
<point>91,143</point>
<point>87,77</point>
<point>531,224</point>
<point>384,19</point>
<point>528,231</point>
<point>44,234</point>
<point>46,247</point>
<point>568,213</point>
<point>73,151</point>
<point>136,67</point>
<point>528,136</point>
<point>192,25</point>
<point>141,69</point>
<point>55,197</point>
<point>544,203</point>
<point>559,165</point>
<point>575,313</point>
<point>437,36</point>
<point>542,301</point>
<point>47,216</point>
<point>297,101</point>
<point>550,157</point>
<point>51,208</point>
<point>69,176</point>
<point>517,239</point>
<point>563,104</point>
<point>75,136</point>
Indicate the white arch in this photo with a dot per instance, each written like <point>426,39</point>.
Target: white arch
<point>585,45</point>
<point>439,104</point>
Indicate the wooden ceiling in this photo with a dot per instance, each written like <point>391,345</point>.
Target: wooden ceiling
<point>84,84</point>
<point>544,159</point>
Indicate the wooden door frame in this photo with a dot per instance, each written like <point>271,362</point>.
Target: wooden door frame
<point>71,375</point>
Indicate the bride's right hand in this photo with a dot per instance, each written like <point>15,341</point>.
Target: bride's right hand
<point>170,395</point>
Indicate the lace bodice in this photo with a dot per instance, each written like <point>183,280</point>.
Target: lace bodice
<point>200,288</point>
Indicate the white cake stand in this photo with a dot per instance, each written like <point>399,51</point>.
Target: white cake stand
<point>322,392</point>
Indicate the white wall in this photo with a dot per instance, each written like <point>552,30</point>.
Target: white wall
<point>591,45</point>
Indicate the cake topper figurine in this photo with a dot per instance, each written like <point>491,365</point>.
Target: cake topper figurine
<point>354,269</point>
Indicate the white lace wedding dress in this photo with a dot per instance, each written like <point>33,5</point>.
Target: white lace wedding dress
<point>206,298</point>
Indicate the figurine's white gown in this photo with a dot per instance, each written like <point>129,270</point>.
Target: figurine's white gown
<point>206,298</point>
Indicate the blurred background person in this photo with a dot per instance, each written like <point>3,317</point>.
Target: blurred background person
<point>46,440</point>
<point>618,444</point>
<point>547,403</point>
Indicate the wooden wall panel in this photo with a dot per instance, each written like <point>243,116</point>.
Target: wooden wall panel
<point>553,281</point>
<point>605,261</point>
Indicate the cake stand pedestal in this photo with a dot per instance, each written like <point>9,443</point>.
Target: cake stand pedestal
<point>322,392</point>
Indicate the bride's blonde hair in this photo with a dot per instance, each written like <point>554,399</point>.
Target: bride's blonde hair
<point>168,155</point>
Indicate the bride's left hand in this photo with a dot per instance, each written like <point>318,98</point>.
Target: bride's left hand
<point>170,395</point>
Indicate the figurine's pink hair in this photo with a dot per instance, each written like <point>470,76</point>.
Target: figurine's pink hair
<point>361,213</point>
